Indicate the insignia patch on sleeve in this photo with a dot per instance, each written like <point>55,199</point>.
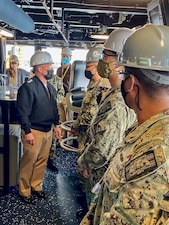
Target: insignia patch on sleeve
<point>141,166</point>
<point>29,81</point>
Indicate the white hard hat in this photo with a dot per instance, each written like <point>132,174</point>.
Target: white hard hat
<point>142,51</point>
<point>66,51</point>
<point>94,54</point>
<point>13,58</point>
<point>117,39</point>
<point>40,58</point>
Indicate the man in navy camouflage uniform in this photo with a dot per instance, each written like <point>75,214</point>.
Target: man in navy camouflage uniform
<point>58,84</point>
<point>113,118</point>
<point>96,90</point>
<point>135,187</point>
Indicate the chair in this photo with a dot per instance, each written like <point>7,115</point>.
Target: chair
<point>77,78</point>
<point>78,87</point>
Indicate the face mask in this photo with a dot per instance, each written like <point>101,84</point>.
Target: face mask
<point>103,69</point>
<point>49,75</point>
<point>65,61</point>
<point>123,92</point>
<point>88,74</point>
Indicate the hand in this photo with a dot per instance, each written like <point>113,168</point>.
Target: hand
<point>58,132</point>
<point>80,170</point>
<point>86,174</point>
<point>30,139</point>
<point>92,67</point>
<point>74,132</point>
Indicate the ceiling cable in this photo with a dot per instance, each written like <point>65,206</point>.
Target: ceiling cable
<point>53,20</point>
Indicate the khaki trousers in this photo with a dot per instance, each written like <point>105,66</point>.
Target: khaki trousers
<point>33,162</point>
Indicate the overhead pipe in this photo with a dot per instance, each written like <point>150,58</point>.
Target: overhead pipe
<point>62,21</point>
<point>53,20</point>
<point>11,14</point>
<point>99,7</point>
<point>51,7</point>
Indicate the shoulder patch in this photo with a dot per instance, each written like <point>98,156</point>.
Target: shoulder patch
<point>29,81</point>
<point>144,164</point>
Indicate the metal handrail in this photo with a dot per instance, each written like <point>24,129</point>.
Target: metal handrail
<point>66,144</point>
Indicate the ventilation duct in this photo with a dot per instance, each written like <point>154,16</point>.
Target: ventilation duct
<point>11,14</point>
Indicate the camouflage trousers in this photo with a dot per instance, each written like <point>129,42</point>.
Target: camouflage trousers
<point>83,140</point>
<point>53,147</point>
<point>86,188</point>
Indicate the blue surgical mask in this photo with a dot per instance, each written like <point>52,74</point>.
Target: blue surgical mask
<point>65,61</point>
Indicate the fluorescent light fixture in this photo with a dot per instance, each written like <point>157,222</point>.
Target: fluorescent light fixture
<point>100,36</point>
<point>6,33</point>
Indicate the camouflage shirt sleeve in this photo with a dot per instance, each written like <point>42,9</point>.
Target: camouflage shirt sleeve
<point>58,84</point>
<point>107,130</point>
<point>88,109</point>
<point>89,105</point>
<point>138,175</point>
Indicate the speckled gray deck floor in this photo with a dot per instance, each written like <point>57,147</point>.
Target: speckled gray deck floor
<point>60,207</point>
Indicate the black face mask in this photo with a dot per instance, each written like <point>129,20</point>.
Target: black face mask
<point>88,74</point>
<point>123,92</point>
<point>49,75</point>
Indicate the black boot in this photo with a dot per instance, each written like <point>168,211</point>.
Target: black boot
<point>81,213</point>
<point>51,166</point>
<point>81,199</point>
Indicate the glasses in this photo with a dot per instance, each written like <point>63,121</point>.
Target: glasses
<point>105,54</point>
<point>123,75</point>
<point>14,63</point>
<point>65,56</point>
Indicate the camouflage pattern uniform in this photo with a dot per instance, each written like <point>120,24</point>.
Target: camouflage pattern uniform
<point>107,131</point>
<point>58,84</point>
<point>95,91</point>
<point>136,185</point>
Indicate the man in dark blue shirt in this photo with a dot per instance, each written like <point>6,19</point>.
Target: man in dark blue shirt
<point>38,114</point>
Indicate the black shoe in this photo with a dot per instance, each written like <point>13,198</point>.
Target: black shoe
<point>28,199</point>
<point>57,144</point>
<point>51,166</point>
<point>80,214</point>
<point>81,198</point>
<point>40,194</point>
